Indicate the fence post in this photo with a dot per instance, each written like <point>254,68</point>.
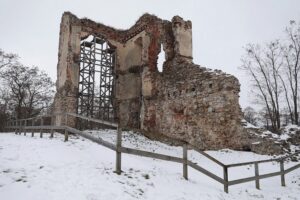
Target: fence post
<point>185,156</point>
<point>118,151</point>
<point>25,127</point>
<point>66,124</point>
<point>11,124</point>
<point>66,119</point>
<point>16,129</point>
<point>66,135</point>
<point>52,131</point>
<point>225,171</point>
<point>32,124</point>
<point>256,176</point>
<point>282,172</point>
<point>17,126</point>
<point>41,130</point>
<point>20,127</point>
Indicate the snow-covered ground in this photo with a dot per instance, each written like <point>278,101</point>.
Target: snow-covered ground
<point>44,169</point>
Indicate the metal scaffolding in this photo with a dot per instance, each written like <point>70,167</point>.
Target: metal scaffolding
<point>96,79</point>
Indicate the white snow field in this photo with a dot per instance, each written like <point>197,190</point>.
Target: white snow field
<point>50,169</point>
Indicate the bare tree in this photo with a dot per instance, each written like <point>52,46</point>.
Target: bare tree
<point>15,79</point>
<point>7,59</point>
<point>39,91</point>
<point>291,54</point>
<point>264,118</point>
<point>30,90</point>
<point>263,65</point>
<point>4,108</point>
<point>287,98</point>
<point>250,115</point>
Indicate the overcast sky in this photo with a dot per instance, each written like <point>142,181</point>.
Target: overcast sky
<point>220,27</point>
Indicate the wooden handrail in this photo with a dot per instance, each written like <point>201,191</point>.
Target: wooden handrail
<point>88,136</point>
<point>40,127</point>
<point>112,124</point>
<point>253,178</point>
<point>204,171</point>
<point>268,175</point>
<point>52,115</point>
<point>119,149</point>
<point>263,161</point>
<point>291,169</point>
<point>151,154</point>
<point>189,145</point>
<point>206,155</point>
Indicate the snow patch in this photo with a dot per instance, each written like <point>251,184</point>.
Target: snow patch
<point>42,168</point>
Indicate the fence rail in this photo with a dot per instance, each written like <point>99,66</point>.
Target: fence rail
<point>22,125</point>
<point>263,161</point>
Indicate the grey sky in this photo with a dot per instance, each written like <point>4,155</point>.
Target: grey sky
<point>220,27</point>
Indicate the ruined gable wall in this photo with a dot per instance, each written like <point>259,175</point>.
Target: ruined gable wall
<point>188,102</point>
<point>128,65</point>
<point>185,102</point>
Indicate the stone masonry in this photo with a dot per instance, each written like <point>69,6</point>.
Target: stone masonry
<point>184,102</point>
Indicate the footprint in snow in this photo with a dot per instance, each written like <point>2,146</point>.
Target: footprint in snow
<point>22,179</point>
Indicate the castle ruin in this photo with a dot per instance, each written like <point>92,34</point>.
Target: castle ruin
<point>112,74</point>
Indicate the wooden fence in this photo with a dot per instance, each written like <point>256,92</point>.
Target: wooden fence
<point>38,123</point>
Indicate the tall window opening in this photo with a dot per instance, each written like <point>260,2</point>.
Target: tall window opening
<point>161,59</point>
<point>96,79</point>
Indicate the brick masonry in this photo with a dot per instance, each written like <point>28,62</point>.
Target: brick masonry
<point>184,102</point>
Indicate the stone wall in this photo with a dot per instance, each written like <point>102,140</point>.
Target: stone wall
<point>67,68</point>
<point>185,102</point>
<point>196,105</point>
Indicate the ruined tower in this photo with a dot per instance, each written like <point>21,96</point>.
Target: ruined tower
<point>112,74</point>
